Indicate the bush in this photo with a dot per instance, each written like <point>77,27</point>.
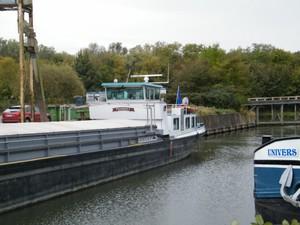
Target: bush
<point>221,98</point>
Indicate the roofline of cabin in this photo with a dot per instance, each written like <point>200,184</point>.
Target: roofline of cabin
<point>131,84</point>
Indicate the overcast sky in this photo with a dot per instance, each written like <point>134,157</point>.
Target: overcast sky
<point>68,25</point>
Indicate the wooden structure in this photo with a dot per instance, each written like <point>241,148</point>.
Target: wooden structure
<point>35,80</point>
<point>275,110</point>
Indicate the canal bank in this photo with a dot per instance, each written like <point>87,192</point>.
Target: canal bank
<point>216,124</point>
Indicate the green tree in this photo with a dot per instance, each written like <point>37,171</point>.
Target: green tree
<point>117,48</point>
<point>271,71</point>
<point>61,83</point>
<point>9,85</point>
<point>192,51</point>
<point>87,73</point>
<point>9,48</point>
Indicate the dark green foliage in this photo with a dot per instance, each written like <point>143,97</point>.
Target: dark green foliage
<point>221,98</point>
<point>61,83</point>
<point>208,75</point>
<point>8,82</point>
<point>49,54</point>
<point>85,69</point>
<point>56,69</point>
<point>9,48</point>
<point>95,65</point>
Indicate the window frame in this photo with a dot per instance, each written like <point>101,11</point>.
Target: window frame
<point>193,122</point>
<point>176,123</point>
<point>112,93</point>
<point>187,122</point>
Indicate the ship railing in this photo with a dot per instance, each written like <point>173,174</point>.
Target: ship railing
<point>187,109</point>
<point>95,97</point>
<point>150,115</point>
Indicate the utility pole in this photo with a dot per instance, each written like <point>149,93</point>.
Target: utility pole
<point>21,56</point>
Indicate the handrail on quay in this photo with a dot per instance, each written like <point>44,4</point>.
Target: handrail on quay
<point>277,107</point>
<point>278,98</point>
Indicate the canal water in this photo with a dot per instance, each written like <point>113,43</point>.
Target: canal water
<point>212,187</point>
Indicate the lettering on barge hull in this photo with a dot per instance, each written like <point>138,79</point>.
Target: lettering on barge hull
<point>283,152</point>
<point>119,109</point>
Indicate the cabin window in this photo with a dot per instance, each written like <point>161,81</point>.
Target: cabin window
<point>187,123</point>
<point>157,93</point>
<point>152,93</point>
<point>125,93</point>
<point>198,122</point>
<point>176,123</point>
<point>193,122</point>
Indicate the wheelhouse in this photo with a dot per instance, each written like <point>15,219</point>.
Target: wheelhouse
<point>132,91</point>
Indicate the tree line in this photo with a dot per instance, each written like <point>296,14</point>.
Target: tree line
<point>208,75</point>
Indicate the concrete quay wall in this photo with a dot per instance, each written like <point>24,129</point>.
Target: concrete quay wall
<point>225,123</point>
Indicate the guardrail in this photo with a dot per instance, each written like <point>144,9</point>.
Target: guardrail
<point>187,109</point>
<point>280,98</point>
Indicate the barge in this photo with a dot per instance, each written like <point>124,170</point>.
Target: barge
<point>277,179</point>
<point>132,130</point>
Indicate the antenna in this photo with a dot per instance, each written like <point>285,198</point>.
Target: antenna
<point>128,75</point>
<point>146,77</point>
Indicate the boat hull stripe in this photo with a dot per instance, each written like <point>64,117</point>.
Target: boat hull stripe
<point>277,162</point>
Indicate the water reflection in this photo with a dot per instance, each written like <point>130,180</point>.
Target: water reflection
<point>213,186</point>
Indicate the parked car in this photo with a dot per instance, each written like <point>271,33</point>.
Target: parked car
<point>13,115</point>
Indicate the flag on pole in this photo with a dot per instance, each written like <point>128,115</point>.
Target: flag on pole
<point>178,97</point>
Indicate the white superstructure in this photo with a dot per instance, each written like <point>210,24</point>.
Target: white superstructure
<point>141,101</point>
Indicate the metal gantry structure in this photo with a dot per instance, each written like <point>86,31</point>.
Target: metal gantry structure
<point>37,96</point>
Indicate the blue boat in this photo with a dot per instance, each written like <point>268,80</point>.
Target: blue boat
<point>277,179</point>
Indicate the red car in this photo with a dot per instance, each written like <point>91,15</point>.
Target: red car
<point>13,115</point>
